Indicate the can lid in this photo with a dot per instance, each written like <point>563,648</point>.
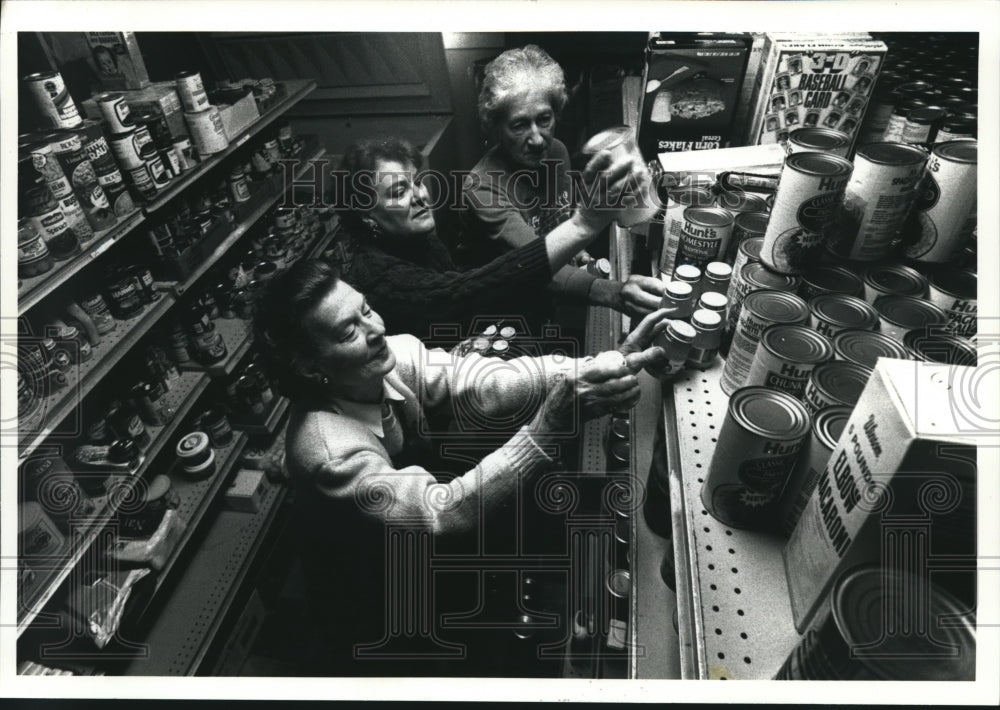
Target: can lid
<point>797,343</point>
<point>752,223</point>
<point>892,154</point>
<point>756,274</point>
<point>706,319</point>
<point>619,583</point>
<point>690,195</point>
<point>896,279</point>
<point>192,445</point>
<point>718,270</point>
<point>713,301</point>
<point>964,151</point>
<point>679,289</point>
<point>828,424</point>
<point>708,216</point>
<point>865,347</point>
<point>819,138</point>
<point>961,283</point>
<point>490,331</point>
<point>959,123</point>
<point>501,346</point>
<point>481,345</point>
<point>863,596</point>
<point>751,248</point>
<point>603,266</point>
<point>740,201</point>
<point>925,115</point>
<point>941,348</point>
<point>840,380</point>
<point>769,413</point>
<point>687,273</point>
<point>681,330</point>
<point>836,279</point>
<point>909,312</point>
<point>823,164</point>
<point>845,311</point>
<point>508,332</point>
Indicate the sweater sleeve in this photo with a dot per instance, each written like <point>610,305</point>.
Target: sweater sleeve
<point>409,296</point>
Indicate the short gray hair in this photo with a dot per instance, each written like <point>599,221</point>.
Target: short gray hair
<point>513,72</point>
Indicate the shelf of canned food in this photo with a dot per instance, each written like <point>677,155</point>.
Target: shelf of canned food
<point>201,596</point>
<point>34,289</point>
<point>181,398</point>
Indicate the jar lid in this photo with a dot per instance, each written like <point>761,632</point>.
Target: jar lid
<point>192,445</point>
<point>718,270</point>
<point>713,301</point>
<point>681,330</point>
<point>706,319</point>
<point>508,332</point>
<point>679,289</point>
<point>688,273</point>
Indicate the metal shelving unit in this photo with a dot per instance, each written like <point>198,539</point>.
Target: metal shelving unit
<point>237,333</point>
<point>734,613</point>
<point>181,397</point>
<point>198,604</point>
<point>297,89</point>
<point>33,430</point>
<point>33,290</point>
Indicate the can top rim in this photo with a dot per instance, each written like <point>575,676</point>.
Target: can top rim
<point>961,283</point>
<point>839,278</point>
<point>910,312</point>
<point>770,413</point>
<point>796,343</point>
<point>885,153</point>
<point>819,137</point>
<point>865,347</point>
<point>941,348</point>
<point>819,164</point>
<point>776,306</point>
<point>708,216</point>
<point>829,424</point>
<point>772,280</point>
<point>897,278</point>
<point>841,309</point>
<point>841,380</point>
<point>963,151</point>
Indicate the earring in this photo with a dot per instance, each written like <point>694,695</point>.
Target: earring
<point>325,380</point>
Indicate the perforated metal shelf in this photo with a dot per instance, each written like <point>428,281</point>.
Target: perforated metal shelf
<point>197,606</point>
<point>182,396</point>
<point>237,334</point>
<point>734,614</point>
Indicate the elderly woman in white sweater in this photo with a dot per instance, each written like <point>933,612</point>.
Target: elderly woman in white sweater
<point>357,452</point>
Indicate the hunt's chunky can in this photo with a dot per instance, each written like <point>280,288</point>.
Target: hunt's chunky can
<point>946,200</point>
<point>835,383</point>
<point>786,356</point>
<point>901,314</point>
<point>865,347</point>
<point>893,280</point>
<point>829,279</point>
<point>191,91</point>
<point>746,225</point>
<point>830,313</point>
<point>827,426</point>
<point>877,199</point>
<point>761,309</point>
<point>805,210</point>
<point>751,277</point>
<point>759,442</point>
<point>818,140</point>
<point>955,292</point>
<point>873,610</point>
<point>53,99</point>
<point>678,200</point>
<point>207,131</point>
<point>115,112</point>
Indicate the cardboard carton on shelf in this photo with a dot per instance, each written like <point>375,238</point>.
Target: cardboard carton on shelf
<point>157,98</point>
<point>900,485</point>
<point>116,59</point>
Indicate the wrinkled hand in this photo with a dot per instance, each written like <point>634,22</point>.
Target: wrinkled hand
<point>638,347</point>
<point>603,384</point>
<point>639,296</point>
<point>610,181</point>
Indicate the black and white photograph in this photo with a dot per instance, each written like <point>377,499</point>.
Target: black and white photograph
<point>500,351</point>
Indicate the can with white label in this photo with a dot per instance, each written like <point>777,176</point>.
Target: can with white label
<point>207,131</point>
<point>827,426</point>
<point>786,356</point>
<point>125,147</point>
<point>53,100</point>
<point>759,442</point>
<point>830,313</point>
<point>805,211</point>
<point>115,112</point>
<point>901,314</point>
<point>191,91</point>
<point>945,203</point>
<point>678,200</point>
<point>955,292</point>
<point>877,199</point>
<point>761,309</point>
<point>705,235</point>
<point>835,383</point>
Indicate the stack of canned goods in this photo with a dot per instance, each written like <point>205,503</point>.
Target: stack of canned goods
<point>248,392</point>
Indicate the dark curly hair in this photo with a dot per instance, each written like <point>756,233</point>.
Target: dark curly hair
<point>355,198</point>
<point>512,73</point>
<point>279,331</point>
